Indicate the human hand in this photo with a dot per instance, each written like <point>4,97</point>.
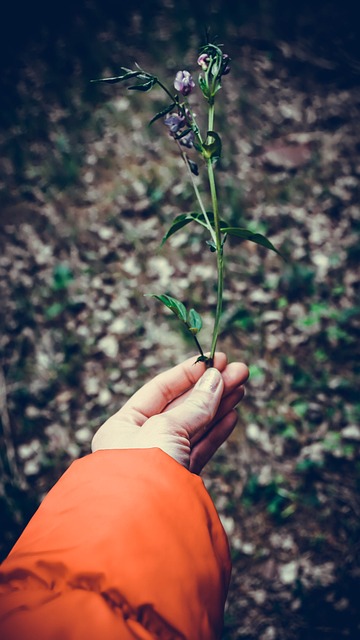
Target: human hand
<point>187,411</point>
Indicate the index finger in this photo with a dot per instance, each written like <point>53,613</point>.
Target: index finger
<point>154,396</point>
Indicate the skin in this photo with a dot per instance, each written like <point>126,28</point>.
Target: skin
<point>186,411</point>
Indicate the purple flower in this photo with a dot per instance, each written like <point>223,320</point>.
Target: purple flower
<point>184,82</point>
<point>188,140</point>
<point>203,61</point>
<point>175,122</point>
<point>225,64</point>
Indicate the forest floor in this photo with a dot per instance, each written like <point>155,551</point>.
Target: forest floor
<point>87,191</point>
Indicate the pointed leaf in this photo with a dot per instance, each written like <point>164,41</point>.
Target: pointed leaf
<point>183,133</point>
<point>174,305</point>
<point>126,76</point>
<point>142,87</point>
<point>245,234</point>
<point>194,321</point>
<point>163,113</point>
<point>180,222</point>
<point>212,149</point>
<point>184,219</point>
<point>205,359</point>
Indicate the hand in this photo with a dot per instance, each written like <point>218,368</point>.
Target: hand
<point>187,411</point>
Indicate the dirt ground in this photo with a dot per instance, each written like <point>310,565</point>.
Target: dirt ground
<point>87,191</point>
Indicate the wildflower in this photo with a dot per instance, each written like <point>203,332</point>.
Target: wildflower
<point>188,140</point>
<point>225,67</point>
<point>203,61</point>
<point>193,167</point>
<point>184,82</point>
<point>175,122</point>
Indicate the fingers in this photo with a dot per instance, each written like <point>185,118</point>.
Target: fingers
<point>234,376</point>
<point>226,405</point>
<point>223,423</point>
<point>203,451</point>
<point>192,417</point>
<point>154,396</point>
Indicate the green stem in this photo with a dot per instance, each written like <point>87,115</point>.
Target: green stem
<point>199,346</point>
<point>168,93</point>
<point>218,244</point>
<point>211,116</point>
<point>198,196</point>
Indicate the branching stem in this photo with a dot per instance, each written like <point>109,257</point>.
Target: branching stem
<point>198,195</point>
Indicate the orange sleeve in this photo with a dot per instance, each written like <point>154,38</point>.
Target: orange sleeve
<point>127,545</point>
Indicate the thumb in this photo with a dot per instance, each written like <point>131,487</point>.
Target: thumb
<point>200,407</point>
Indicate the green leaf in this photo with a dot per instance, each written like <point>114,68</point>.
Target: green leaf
<point>202,359</point>
<point>245,234</point>
<point>174,305</point>
<point>194,321</point>
<point>54,310</point>
<point>181,221</point>
<point>62,277</point>
<point>115,79</point>
<point>183,133</point>
<point>184,219</point>
<point>142,87</point>
<point>162,113</point>
<point>212,149</point>
<point>204,88</point>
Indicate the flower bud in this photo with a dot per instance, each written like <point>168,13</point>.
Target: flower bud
<point>203,61</point>
<point>225,67</point>
<point>188,140</point>
<point>184,82</point>
<point>193,167</point>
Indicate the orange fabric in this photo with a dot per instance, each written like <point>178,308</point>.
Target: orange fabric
<point>126,545</point>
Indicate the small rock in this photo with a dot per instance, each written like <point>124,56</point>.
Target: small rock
<point>91,386</point>
<point>109,345</point>
<point>105,233</point>
<point>259,596</point>
<point>248,548</point>
<point>351,432</point>
<point>32,412</point>
<point>31,467</point>
<point>288,572</point>
<point>228,523</point>
<point>104,397</point>
<point>83,435</point>
<point>281,155</point>
<point>269,634</point>
<point>26,451</point>
<point>118,326</point>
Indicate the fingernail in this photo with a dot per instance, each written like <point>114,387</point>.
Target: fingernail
<point>209,381</point>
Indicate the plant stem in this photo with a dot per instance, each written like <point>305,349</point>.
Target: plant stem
<point>218,244</point>
<point>199,346</point>
<point>211,116</point>
<point>198,196</point>
<point>168,93</point>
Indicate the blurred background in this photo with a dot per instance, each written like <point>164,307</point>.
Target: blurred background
<point>87,190</point>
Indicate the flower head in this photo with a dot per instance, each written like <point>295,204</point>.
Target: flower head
<point>184,82</point>
<point>188,140</point>
<point>175,122</point>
